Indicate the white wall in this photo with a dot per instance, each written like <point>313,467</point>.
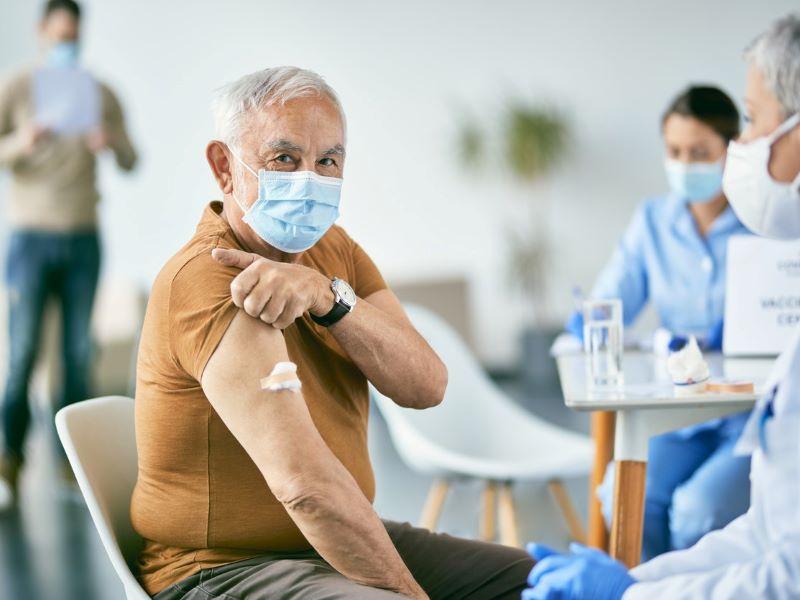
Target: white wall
<point>401,68</point>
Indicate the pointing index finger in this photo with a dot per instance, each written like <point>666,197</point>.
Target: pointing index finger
<point>232,257</point>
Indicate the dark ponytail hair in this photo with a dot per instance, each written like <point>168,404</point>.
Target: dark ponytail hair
<point>709,105</point>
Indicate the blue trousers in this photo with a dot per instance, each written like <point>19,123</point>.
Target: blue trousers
<point>39,266</point>
<point>694,485</point>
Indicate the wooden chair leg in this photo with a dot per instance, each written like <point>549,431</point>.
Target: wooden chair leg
<point>489,501</point>
<point>434,503</point>
<point>508,517</point>
<point>574,525</point>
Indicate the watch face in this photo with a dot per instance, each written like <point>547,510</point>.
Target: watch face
<point>345,292</point>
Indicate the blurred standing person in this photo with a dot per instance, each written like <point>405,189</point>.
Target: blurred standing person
<point>54,247</point>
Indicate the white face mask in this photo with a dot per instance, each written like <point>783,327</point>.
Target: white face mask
<point>766,207</point>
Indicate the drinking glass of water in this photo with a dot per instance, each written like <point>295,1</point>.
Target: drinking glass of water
<point>602,341</point>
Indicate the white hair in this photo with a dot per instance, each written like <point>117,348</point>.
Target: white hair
<point>277,85</point>
<point>776,53</point>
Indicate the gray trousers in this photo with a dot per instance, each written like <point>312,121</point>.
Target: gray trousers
<point>445,567</point>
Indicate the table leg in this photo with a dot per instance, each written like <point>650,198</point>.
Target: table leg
<point>603,435</point>
<point>628,521</point>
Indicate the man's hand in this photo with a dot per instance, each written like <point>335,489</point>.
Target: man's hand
<point>31,134</point>
<point>586,574</point>
<point>275,292</point>
<point>97,140</point>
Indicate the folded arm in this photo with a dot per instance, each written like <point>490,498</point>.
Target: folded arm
<point>276,430</point>
<point>381,340</point>
<point>377,334</point>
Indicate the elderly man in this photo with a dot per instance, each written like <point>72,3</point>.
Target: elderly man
<point>757,556</point>
<point>251,404</point>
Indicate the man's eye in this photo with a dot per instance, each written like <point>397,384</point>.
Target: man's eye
<point>748,119</point>
<point>284,158</point>
<point>327,162</point>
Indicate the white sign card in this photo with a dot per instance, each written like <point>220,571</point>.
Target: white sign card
<point>762,300</point>
<point>66,100</point>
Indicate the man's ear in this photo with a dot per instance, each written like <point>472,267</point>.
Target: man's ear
<point>220,165</point>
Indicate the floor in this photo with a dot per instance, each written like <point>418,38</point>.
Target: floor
<point>50,551</point>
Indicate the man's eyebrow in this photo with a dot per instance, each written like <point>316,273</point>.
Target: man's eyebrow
<point>338,149</point>
<point>285,145</point>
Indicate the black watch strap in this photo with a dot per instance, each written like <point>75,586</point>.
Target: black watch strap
<point>338,311</point>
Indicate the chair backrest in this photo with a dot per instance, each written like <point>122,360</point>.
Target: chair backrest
<point>476,416</point>
<point>98,437</point>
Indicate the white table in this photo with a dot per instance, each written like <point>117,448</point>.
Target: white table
<point>644,406</point>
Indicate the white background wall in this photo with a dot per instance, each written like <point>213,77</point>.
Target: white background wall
<point>401,69</point>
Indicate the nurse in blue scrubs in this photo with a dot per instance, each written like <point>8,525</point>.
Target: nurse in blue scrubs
<point>673,256</point>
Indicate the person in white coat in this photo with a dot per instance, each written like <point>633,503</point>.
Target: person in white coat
<point>758,554</point>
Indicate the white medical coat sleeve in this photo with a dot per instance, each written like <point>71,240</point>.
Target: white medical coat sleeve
<point>775,574</point>
<point>735,543</point>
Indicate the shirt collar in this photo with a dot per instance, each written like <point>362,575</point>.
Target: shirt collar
<point>683,222</point>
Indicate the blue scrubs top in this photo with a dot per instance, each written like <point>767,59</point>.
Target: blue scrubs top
<point>663,258</point>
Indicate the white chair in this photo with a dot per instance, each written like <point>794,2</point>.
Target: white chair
<point>99,440</point>
<point>478,432</point>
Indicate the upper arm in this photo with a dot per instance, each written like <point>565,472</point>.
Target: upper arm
<point>625,275</point>
<point>114,121</point>
<point>5,108</point>
<point>10,96</point>
<point>274,428</point>
<point>112,111</point>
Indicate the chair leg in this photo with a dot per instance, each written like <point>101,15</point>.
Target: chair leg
<point>568,512</point>
<point>508,517</point>
<point>433,504</point>
<point>489,501</point>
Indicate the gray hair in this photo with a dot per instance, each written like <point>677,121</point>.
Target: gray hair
<point>776,53</point>
<point>277,85</point>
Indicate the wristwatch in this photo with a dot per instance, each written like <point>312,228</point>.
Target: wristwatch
<point>344,299</point>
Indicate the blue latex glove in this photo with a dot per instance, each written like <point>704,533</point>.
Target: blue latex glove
<point>586,574</point>
<point>574,325</point>
<point>713,339</point>
<point>677,343</point>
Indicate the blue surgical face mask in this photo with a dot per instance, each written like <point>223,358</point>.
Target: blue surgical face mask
<point>63,55</point>
<point>294,209</point>
<point>694,182</point>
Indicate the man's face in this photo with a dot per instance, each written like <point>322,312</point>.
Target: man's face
<point>764,115</point>
<point>305,134</point>
<point>59,26</point>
